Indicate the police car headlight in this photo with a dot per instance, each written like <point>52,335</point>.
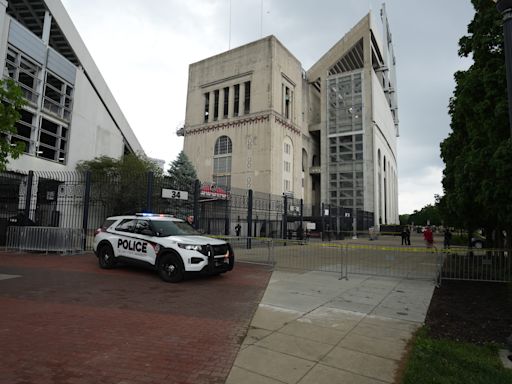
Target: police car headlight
<point>191,247</point>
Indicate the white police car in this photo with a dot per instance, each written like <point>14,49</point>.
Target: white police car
<point>162,242</point>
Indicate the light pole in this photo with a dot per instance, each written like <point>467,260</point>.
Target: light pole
<point>505,8</point>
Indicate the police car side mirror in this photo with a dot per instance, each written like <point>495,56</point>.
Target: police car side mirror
<point>146,232</point>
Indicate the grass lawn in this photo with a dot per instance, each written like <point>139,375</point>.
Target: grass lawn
<point>444,361</point>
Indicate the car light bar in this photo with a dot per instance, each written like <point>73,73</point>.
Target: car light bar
<point>145,214</point>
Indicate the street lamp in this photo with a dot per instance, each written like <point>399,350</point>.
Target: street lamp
<point>505,8</point>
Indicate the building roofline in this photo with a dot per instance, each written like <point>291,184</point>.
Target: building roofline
<point>269,38</point>
<point>93,73</point>
<point>323,61</point>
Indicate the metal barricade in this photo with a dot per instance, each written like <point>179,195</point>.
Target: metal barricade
<point>491,265</point>
<point>411,263</point>
<point>45,239</point>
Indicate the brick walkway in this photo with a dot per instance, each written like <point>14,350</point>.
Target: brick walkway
<point>66,321</point>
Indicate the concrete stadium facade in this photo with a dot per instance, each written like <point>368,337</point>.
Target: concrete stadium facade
<point>256,119</point>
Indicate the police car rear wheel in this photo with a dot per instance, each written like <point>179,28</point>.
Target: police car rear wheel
<point>106,258</point>
<point>170,269</point>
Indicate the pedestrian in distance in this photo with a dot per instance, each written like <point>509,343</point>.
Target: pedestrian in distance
<point>404,236</point>
<point>429,237</point>
<point>238,228</point>
<point>300,233</point>
<point>407,236</point>
<point>447,238</point>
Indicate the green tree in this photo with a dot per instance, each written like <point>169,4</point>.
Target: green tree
<point>126,165</point>
<point>120,186</point>
<point>478,152</point>
<point>12,101</point>
<point>182,172</point>
<point>429,214</point>
<point>404,219</point>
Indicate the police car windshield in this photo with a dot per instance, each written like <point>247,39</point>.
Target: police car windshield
<point>164,228</point>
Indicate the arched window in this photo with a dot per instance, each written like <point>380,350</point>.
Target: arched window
<point>222,161</point>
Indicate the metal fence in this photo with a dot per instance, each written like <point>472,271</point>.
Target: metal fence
<point>490,265</point>
<point>345,259</point>
<point>400,262</point>
<point>82,200</point>
<point>46,239</point>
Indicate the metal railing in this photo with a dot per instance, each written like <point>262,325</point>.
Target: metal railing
<point>345,259</point>
<point>412,263</point>
<point>45,239</point>
<point>492,265</point>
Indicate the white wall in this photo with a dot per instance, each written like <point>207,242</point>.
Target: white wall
<point>385,140</point>
<point>91,124</point>
<point>92,133</point>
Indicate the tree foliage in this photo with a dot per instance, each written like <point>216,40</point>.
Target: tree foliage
<point>120,186</point>
<point>128,164</point>
<point>12,100</point>
<point>182,172</point>
<point>428,215</point>
<point>478,152</point>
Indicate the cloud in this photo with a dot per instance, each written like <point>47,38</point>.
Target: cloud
<point>144,48</point>
<point>417,191</point>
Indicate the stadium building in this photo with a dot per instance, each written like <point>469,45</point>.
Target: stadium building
<point>255,119</point>
<point>71,115</point>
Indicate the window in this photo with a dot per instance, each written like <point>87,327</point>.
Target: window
<point>25,72</point>
<point>247,97</point>
<point>223,146</point>
<point>206,106</point>
<point>52,141</point>
<point>287,98</point>
<point>222,156</point>
<point>236,102</point>
<point>288,164</point>
<point>127,225</point>
<point>142,225</point>
<point>226,102</point>
<point>58,96</point>
<point>24,130</point>
<point>44,124</point>
<point>222,165</point>
<point>216,105</point>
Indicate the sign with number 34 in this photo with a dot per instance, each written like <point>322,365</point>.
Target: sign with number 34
<point>172,194</point>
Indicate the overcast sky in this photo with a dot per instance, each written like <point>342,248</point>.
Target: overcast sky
<point>143,49</point>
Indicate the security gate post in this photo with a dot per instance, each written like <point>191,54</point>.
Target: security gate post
<point>197,191</point>
<point>249,218</point>
<point>149,192</point>
<point>28,196</point>
<point>85,219</point>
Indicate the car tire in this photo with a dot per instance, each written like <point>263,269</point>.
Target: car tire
<point>106,258</point>
<point>170,269</point>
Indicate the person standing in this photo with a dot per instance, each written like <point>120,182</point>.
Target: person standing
<point>238,228</point>
<point>404,236</point>
<point>447,238</point>
<point>407,236</point>
<point>429,237</point>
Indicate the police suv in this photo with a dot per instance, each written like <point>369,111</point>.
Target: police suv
<point>164,243</point>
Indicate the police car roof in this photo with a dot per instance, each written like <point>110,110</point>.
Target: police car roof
<point>147,216</point>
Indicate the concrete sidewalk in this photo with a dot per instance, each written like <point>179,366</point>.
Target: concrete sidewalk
<point>312,327</point>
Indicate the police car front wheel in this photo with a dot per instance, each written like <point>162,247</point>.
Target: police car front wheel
<point>171,269</point>
<point>106,257</point>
